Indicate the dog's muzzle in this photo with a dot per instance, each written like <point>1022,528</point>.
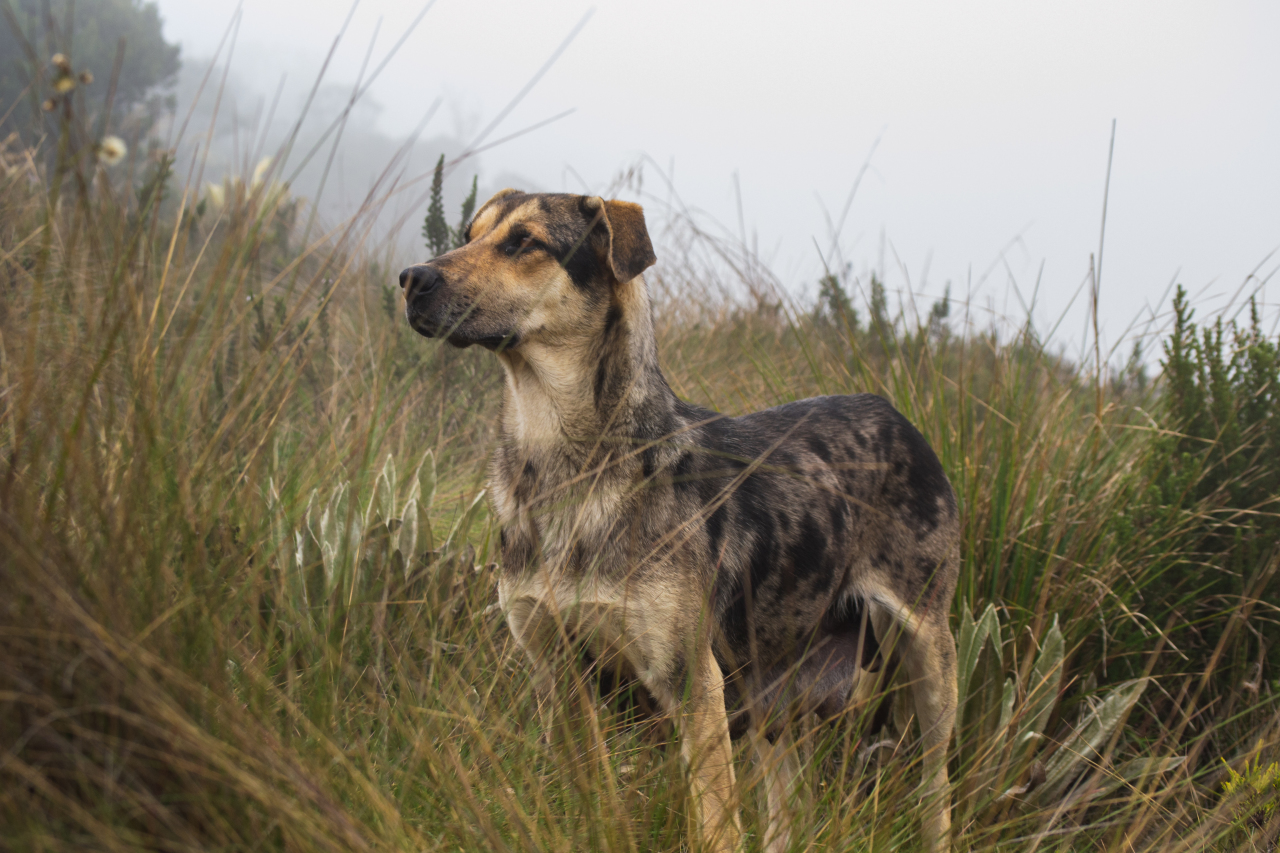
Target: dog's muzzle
<point>419,282</point>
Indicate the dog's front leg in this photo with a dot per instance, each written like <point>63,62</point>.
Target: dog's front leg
<point>537,632</point>
<point>697,703</point>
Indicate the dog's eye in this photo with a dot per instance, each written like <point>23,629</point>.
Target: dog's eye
<point>518,244</point>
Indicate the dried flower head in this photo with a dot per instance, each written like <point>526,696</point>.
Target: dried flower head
<point>48,105</point>
<point>61,62</point>
<point>86,77</point>
<point>259,172</point>
<point>64,84</point>
<point>112,150</point>
<point>216,194</point>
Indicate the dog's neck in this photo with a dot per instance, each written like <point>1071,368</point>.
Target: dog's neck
<point>601,388</point>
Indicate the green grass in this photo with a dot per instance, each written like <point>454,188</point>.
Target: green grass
<point>205,643</point>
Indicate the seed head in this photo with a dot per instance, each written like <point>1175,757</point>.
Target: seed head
<point>86,77</point>
<point>64,84</point>
<point>112,150</point>
<point>61,62</point>
<point>259,172</point>
<point>216,194</point>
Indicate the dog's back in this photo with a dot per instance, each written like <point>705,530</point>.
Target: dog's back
<point>809,512</point>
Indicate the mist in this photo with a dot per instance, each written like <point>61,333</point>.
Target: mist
<point>326,145</point>
<point>978,138</point>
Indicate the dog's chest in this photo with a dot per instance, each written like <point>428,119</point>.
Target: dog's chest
<point>562,511</point>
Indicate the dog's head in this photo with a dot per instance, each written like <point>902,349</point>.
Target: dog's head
<point>535,267</point>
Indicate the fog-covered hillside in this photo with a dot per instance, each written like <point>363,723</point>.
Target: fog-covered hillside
<point>326,146</point>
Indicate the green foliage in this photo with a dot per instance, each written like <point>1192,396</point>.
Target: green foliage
<point>1254,800</point>
<point>90,32</point>
<point>468,209</point>
<point>1017,750</point>
<point>939,311</point>
<point>439,237</point>
<point>834,303</point>
<point>340,555</point>
<point>881,323</point>
<point>434,229</point>
<point>1223,397</point>
<point>1222,404</point>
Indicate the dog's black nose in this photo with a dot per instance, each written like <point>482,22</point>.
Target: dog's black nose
<point>420,279</point>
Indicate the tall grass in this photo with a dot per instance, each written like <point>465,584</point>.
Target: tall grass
<point>248,569</point>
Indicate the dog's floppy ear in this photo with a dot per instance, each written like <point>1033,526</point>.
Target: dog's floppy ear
<point>630,252</point>
<point>500,194</point>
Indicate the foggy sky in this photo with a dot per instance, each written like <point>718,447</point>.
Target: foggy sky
<point>993,121</point>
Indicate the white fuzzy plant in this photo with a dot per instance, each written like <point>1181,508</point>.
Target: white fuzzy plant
<point>1005,750</point>
<point>337,548</point>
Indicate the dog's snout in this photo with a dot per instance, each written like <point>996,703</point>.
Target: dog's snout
<point>420,279</point>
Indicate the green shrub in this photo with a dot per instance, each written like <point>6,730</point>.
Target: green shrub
<point>439,237</point>
<point>1254,799</point>
<point>1217,462</point>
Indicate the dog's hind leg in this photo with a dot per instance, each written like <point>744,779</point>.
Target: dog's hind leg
<point>923,643</point>
<point>931,665</point>
<point>781,769</point>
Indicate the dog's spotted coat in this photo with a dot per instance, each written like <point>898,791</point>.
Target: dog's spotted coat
<point>745,569</point>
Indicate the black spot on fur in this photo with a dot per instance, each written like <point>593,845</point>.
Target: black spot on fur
<point>601,381</point>
<point>610,376</point>
<point>581,263</point>
<point>526,483</point>
<point>611,318</point>
<point>648,462</point>
<point>678,674</point>
<point>926,572</point>
<point>715,531</point>
<point>683,467</point>
<point>819,448</point>
<point>926,484</point>
<point>808,552</point>
<point>755,513</point>
<point>579,251</point>
<point>517,552</point>
<point>838,512</point>
<point>886,439</point>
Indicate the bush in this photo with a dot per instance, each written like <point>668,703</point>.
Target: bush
<point>1217,462</point>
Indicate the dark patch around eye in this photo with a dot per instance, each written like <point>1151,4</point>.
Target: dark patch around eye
<point>519,243</point>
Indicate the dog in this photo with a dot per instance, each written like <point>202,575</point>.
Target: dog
<point>743,569</point>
